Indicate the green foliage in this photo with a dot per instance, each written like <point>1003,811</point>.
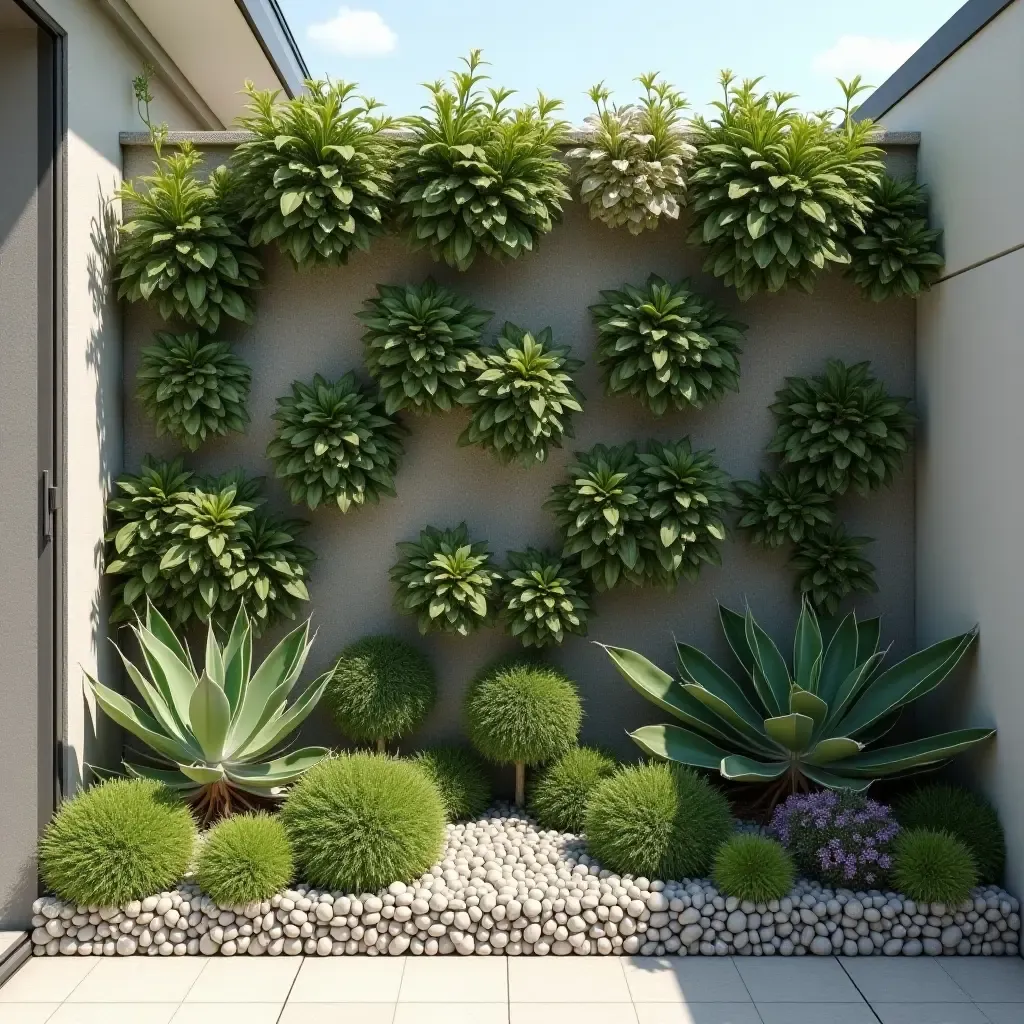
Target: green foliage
<point>419,340</point>
<point>559,800</point>
<point>315,174</point>
<point>772,724</point>
<point>753,868</point>
<point>245,859</point>
<point>522,396</point>
<point>521,712</point>
<point>121,840</point>
<point>934,867</point>
<point>381,689</point>
<point>830,566</point>
<point>898,253</point>
<point>543,598</point>
<point>841,429</point>
<point>632,172</point>
<point>657,820</point>
<point>776,192</point>
<point>446,580</point>
<point>358,822</point>
<point>193,390</point>
<point>477,176</point>
<point>461,779</point>
<point>964,815</point>
<point>178,250</point>
<point>781,507</point>
<point>335,444</point>
<point>216,731</point>
<point>666,345</point>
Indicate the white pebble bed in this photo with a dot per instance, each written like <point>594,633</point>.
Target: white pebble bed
<point>503,886</point>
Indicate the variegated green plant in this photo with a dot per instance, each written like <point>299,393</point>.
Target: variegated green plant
<point>543,598</point>
<point>215,731</point>
<point>830,566</point>
<point>781,507</point>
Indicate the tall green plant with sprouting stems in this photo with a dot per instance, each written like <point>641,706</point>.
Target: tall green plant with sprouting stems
<point>143,98</point>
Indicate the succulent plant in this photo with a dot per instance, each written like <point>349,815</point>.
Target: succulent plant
<point>830,566</point>
<point>666,345</point>
<point>334,444</point>
<point>841,429</point>
<point>781,507</point>
<point>522,396</point>
<point>315,172</point>
<point>478,177</point>
<point>276,569</point>
<point>632,173</point>
<point>898,253</point>
<point>193,390</point>
<point>446,580</point>
<point>178,250</point>
<point>543,598</point>
<point>418,343</point>
<point>776,192</point>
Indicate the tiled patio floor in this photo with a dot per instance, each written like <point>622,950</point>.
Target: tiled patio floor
<point>508,990</point>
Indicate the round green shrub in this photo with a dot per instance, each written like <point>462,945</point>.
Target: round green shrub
<point>934,867</point>
<point>121,840</point>
<point>781,508</point>
<point>522,713</point>
<point>543,597</point>
<point>829,566</point>
<point>753,868</point>
<point>245,859</point>
<point>658,820</point>
<point>559,800</point>
<point>358,822</point>
<point>381,689</point>
<point>461,779</point>
<point>963,814</point>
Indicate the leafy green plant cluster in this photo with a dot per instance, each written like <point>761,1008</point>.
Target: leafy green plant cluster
<point>753,868</point>
<point>335,444</point>
<point>934,867</point>
<point>781,507</point>
<point>461,779</point>
<point>543,597</point>
<point>245,859</point>
<point>559,799</point>
<point>829,566</point>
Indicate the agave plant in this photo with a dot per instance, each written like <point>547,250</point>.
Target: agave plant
<point>522,396</point>
<point>632,173</point>
<point>446,580</point>
<point>666,345</point>
<point>315,172</point>
<point>830,566</point>
<point>418,343</point>
<point>543,598</point>
<point>215,731</point>
<point>781,507</point>
<point>787,726</point>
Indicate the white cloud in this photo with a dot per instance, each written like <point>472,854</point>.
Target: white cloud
<point>355,34</point>
<point>871,56</point>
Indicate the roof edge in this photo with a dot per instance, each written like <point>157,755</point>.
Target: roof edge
<point>268,24</point>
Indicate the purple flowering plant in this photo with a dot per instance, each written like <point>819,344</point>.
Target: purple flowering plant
<point>842,839</point>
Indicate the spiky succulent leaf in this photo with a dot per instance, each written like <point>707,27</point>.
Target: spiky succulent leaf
<point>543,598</point>
<point>781,507</point>
<point>418,343</point>
<point>830,566</point>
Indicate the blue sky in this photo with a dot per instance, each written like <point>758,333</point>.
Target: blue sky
<point>563,46</point>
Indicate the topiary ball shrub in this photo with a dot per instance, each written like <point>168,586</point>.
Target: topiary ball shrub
<point>359,822</point>
<point>963,814</point>
<point>121,840</point>
<point>753,868</point>
<point>245,859</point>
<point>460,777</point>
<point>658,820</point>
<point>559,800</point>
<point>381,689</point>
<point>934,867</point>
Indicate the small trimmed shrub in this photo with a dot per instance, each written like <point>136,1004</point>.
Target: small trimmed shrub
<point>381,689</point>
<point>461,779</point>
<point>121,840</point>
<point>559,799</point>
<point>358,822</point>
<point>781,507</point>
<point>829,566</point>
<point>543,598</point>
<point>245,859</point>
<point>934,867</point>
<point>753,868</point>
<point>658,820</point>
<point>963,814</point>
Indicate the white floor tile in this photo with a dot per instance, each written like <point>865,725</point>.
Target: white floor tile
<point>249,979</point>
<point>138,979</point>
<point>813,979</point>
<point>114,1013</point>
<point>349,979</point>
<point>572,1013</point>
<point>225,1013</point>
<point>931,1013</point>
<point>446,1013</point>
<point>27,1013</point>
<point>988,978</point>
<point>47,979</point>
<point>673,979</point>
<point>565,979</point>
<point>451,979</point>
<point>816,1013</point>
<point>902,979</point>
<point>338,1013</point>
<point>696,1013</point>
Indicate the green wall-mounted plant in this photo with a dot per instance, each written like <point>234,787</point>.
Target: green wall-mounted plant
<point>830,566</point>
<point>543,598</point>
<point>781,507</point>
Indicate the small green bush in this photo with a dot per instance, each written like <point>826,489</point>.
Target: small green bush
<point>753,868</point>
<point>934,867</point>
<point>245,859</point>
<point>121,840</point>
<point>381,689</point>
<point>461,779</point>
<point>781,508</point>
<point>829,566</point>
<point>963,814</point>
<point>358,822</point>
<point>543,597</point>
<point>559,800</point>
<point>658,820</point>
